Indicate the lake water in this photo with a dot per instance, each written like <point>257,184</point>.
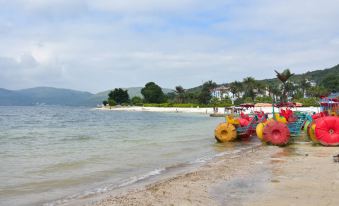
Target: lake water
<point>50,155</point>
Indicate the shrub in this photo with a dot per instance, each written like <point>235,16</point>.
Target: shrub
<point>111,102</point>
<point>309,102</point>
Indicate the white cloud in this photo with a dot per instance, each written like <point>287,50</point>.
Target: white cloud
<point>40,5</point>
<point>130,7</point>
<point>141,5</point>
<point>96,45</point>
<point>288,17</point>
<point>17,73</point>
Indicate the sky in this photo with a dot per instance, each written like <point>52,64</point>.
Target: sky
<point>103,44</point>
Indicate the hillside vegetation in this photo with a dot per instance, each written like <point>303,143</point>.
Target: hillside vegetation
<point>317,76</point>
<point>57,96</point>
<point>250,90</point>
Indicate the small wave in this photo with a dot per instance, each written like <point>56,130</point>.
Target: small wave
<point>105,189</point>
<point>76,138</point>
<point>201,160</point>
<point>176,166</point>
<point>136,179</point>
<point>233,153</point>
<point>9,115</point>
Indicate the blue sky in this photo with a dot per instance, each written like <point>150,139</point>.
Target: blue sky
<point>99,45</point>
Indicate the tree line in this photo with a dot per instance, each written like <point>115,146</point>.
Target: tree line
<point>249,90</point>
<point>152,93</point>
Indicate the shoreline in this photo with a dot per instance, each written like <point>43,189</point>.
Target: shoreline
<point>198,110</point>
<point>300,174</point>
<point>158,175</point>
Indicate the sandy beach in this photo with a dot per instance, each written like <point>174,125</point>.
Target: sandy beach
<point>200,110</point>
<point>299,174</point>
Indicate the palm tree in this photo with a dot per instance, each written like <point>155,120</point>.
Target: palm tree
<point>304,85</point>
<point>274,90</point>
<point>261,88</point>
<point>180,93</point>
<point>210,84</point>
<point>283,77</point>
<point>205,93</point>
<point>249,86</point>
<point>235,88</point>
<point>290,89</point>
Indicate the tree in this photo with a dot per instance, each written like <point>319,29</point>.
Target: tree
<point>214,101</point>
<point>274,90</point>
<point>180,91</point>
<point>192,97</point>
<point>307,102</point>
<point>205,94</point>
<point>249,86</point>
<point>119,96</point>
<point>261,88</point>
<point>111,102</point>
<point>248,100</point>
<point>304,85</point>
<point>263,99</point>
<point>331,82</point>
<point>136,100</point>
<point>153,93</point>
<point>290,89</point>
<point>318,91</point>
<point>283,77</point>
<point>298,95</point>
<point>210,85</point>
<point>171,97</point>
<point>105,102</point>
<point>236,88</point>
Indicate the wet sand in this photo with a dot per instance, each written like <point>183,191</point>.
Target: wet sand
<point>302,175</point>
<point>299,174</point>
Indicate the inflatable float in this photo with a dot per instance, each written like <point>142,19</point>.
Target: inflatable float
<point>306,126</point>
<point>242,127</point>
<point>276,133</point>
<point>311,132</point>
<point>260,131</point>
<point>327,130</point>
<point>225,132</point>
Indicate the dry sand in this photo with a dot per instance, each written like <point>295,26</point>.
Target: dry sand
<point>299,174</point>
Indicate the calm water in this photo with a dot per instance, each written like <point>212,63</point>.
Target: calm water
<point>50,155</point>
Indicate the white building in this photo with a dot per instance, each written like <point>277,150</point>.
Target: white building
<point>221,92</point>
<point>312,83</point>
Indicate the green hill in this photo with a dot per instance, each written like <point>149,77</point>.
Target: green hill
<point>57,96</point>
<point>67,97</point>
<point>317,76</point>
<point>8,98</point>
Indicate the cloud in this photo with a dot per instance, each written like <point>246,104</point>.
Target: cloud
<point>97,45</point>
<point>141,5</point>
<point>126,7</point>
<point>17,73</point>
